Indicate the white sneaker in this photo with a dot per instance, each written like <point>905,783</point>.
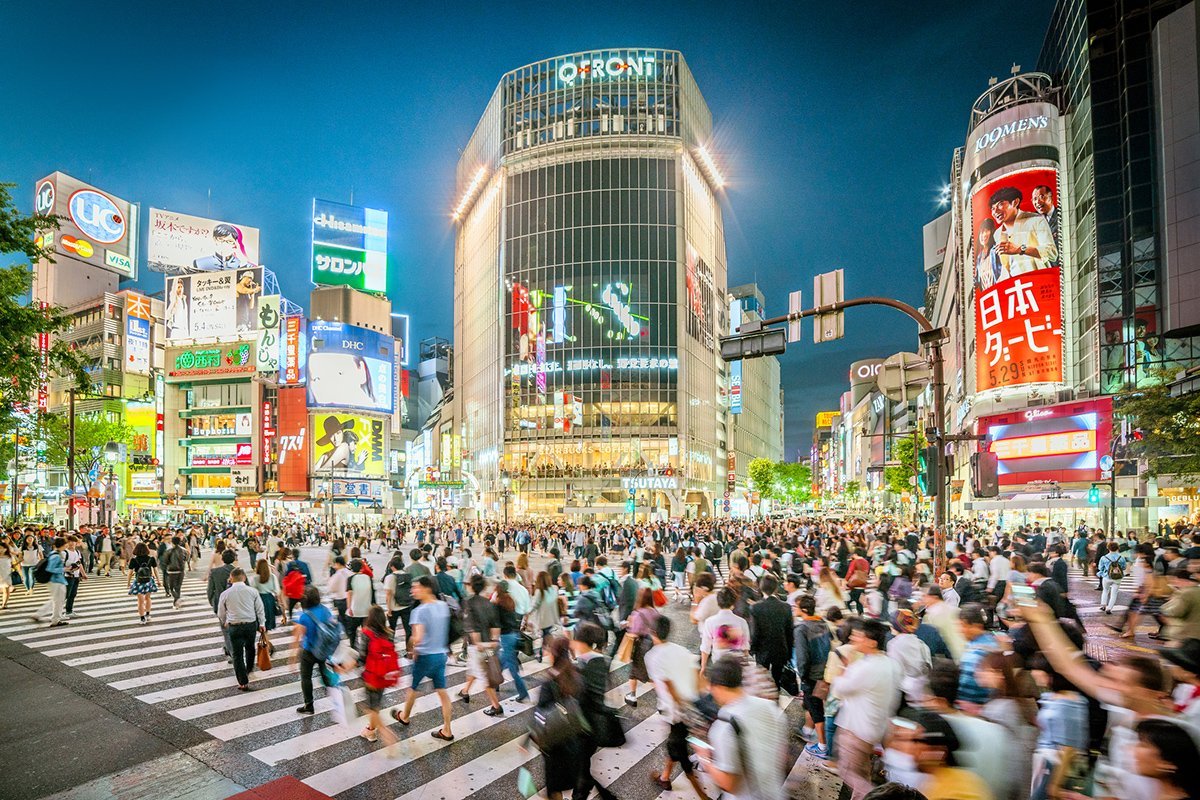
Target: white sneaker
<point>369,734</point>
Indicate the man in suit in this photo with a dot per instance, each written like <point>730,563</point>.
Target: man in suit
<point>1048,592</point>
<point>218,582</point>
<point>771,632</point>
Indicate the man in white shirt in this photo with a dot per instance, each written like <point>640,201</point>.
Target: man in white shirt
<point>241,613</point>
<point>869,691</point>
<point>339,581</point>
<point>1023,238</point>
<point>672,667</point>
<point>736,634</point>
<point>949,593</point>
<point>944,618</point>
<point>748,740</point>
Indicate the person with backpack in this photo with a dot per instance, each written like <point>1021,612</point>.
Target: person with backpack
<point>1111,571</point>
<point>592,607</point>
<point>381,671</point>
<point>431,642</point>
<point>50,570</point>
<point>296,576</point>
<point>316,636</point>
<point>140,581</point>
<point>174,564</point>
<point>810,654</point>
<point>481,626</point>
<point>397,592</point>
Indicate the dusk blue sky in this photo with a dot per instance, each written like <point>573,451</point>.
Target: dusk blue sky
<point>834,124</point>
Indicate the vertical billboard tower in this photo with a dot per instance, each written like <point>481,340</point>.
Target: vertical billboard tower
<point>1015,257</point>
<point>590,284</point>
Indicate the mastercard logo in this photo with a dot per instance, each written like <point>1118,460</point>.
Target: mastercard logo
<point>80,247</point>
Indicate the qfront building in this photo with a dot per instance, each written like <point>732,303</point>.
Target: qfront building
<point>590,292</point>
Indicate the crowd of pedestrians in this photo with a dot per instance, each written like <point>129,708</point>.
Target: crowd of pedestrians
<point>956,675</point>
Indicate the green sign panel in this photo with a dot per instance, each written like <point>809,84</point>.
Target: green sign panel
<point>349,246</point>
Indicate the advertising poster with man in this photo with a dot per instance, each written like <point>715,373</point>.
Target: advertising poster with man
<point>181,244</point>
<point>1017,274</point>
<point>348,445</point>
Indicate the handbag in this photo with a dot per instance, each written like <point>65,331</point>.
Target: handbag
<point>610,733</point>
<point>525,644</point>
<point>660,598</point>
<point>263,661</point>
<point>495,675</point>
<point>625,651</point>
<point>789,681</point>
<point>557,724</point>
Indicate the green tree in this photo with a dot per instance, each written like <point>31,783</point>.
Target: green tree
<point>762,478</point>
<point>1170,427</point>
<point>904,450</point>
<point>850,491</point>
<point>22,321</point>
<point>92,432</point>
<point>793,482</point>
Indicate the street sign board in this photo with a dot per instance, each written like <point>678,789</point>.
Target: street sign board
<point>828,288</point>
<point>1106,462</point>
<point>795,306</point>
<point>903,376</point>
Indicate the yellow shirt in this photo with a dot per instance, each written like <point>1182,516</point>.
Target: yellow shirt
<point>955,783</point>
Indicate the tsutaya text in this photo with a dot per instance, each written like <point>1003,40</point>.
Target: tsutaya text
<point>600,69</point>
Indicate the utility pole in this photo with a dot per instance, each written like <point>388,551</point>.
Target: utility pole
<point>71,460</point>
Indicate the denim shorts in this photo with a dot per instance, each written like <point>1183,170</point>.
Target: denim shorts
<point>431,666</point>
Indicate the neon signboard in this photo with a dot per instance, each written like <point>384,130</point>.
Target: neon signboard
<point>1047,444</point>
<point>603,69</point>
<point>1061,443</point>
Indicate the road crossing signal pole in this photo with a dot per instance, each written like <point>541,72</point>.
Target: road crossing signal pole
<point>756,339</point>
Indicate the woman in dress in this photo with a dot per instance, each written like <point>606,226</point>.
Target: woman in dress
<point>6,570</point>
<point>141,579</point>
<point>560,762</point>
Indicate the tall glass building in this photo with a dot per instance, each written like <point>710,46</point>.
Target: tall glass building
<point>590,289</point>
<point>1102,53</point>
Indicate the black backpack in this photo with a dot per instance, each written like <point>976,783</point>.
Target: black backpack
<point>41,571</point>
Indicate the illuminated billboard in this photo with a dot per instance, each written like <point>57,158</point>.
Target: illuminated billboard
<point>213,304</point>
<point>269,348</point>
<point>292,441</point>
<point>698,277</point>
<point>180,244</point>
<point>349,246</point>
<point>94,227</point>
<point>294,346</point>
<point>138,322</point>
<point>350,367</point>
<point>211,361</point>
<point>348,445</point>
<point>1061,443</point>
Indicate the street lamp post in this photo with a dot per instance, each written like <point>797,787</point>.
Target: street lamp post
<point>112,452</point>
<point>505,493</point>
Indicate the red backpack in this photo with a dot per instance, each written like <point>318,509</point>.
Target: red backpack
<point>293,584</point>
<point>382,667</point>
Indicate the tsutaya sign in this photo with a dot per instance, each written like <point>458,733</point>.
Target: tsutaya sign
<point>650,482</point>
<point>602,69</point>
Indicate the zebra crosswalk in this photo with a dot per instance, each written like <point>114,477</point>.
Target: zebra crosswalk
<point>176,664</point>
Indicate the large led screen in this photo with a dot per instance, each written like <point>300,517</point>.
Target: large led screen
<point>1017,274</point>
<point>1061,443</point>
<point>350,367</point>
<point>348,445</point>
<point>349,246</point>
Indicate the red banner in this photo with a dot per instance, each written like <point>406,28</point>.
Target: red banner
<point>1018,331</point>
<point>292,442</point>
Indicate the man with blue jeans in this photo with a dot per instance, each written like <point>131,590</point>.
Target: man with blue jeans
<point>55,565</point>
<point>1110,586</point>
<point>430,623</point>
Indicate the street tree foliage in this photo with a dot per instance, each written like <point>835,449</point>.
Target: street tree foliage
<point>762,476</point>
<point>904,450</point>
<point>21,320</point>
<point>851,489</point>
<point>92,432</point>
<point>793,482</point>
<point>1170,427</point>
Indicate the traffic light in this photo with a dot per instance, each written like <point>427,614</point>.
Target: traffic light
<point>1094,494</point>
<point>928,470</point>
<point>985,474</point>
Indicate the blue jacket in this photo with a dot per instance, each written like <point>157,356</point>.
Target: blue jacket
<point>54,565</point>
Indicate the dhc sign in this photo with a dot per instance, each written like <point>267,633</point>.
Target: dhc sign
<point>602,69</point>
